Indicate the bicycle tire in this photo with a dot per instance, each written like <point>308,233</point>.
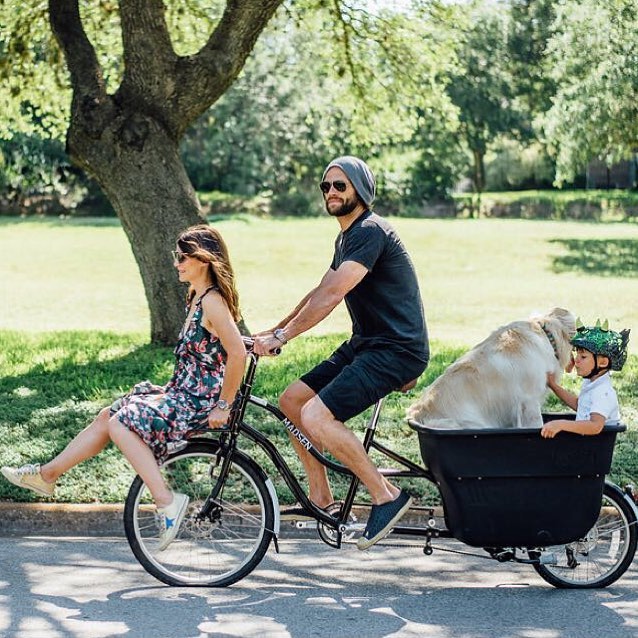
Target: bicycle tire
<point>212,551</point>
<point>603,555</point>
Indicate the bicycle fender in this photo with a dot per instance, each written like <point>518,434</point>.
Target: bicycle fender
<point>275,502</point>
<point>630,501</point>
<point>269,485</point>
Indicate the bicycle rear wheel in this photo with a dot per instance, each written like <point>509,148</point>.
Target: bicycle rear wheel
<point>217,544</point>
<point>601,557</point>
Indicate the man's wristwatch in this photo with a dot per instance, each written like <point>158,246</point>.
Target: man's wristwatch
<point>280,335</point>
<point>223,405</point>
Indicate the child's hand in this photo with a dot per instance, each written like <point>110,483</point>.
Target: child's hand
<point>551,429</point>
<point>551,380</point>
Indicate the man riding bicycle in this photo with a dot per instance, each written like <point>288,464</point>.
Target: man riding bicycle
<point>372,271</point>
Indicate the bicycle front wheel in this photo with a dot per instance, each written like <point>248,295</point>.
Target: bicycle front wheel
<point>221,540</point>
<point>601,557</point>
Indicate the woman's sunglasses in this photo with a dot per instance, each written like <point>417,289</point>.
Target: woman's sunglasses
<point>339,185</point>
<point>179,256</point>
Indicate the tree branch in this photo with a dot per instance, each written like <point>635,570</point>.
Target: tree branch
<point>204,77</point>
<point>347,30</point>
<point>149,58</point>
<point>91,107</point>
<point>86,73</point>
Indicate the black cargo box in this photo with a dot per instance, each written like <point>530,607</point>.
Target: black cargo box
<point>513,488</point>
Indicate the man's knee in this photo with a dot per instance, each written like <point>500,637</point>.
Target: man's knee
<point>315,418</point>
<point>294,397</point>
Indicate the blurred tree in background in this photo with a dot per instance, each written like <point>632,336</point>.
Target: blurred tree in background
<point>483,88</point>
<point>593,52</point>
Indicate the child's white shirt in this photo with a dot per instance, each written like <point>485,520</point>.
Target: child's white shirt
<point>600,397</point>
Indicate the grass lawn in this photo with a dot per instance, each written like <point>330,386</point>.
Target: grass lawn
<point>74,321</point>
<point>474,274</point>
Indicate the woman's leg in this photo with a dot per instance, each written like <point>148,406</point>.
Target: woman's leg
<point>94,438</point>
<point>89,442</point>
<point>140,456</point>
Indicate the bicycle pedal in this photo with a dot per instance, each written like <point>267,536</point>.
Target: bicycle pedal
<point>304,524</point>
<point>354,527</point>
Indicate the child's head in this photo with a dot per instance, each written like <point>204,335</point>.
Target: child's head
<point>599,349</point>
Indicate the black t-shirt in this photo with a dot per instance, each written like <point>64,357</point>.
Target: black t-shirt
<point>385,306</point>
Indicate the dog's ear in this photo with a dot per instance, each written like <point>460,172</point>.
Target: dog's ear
<point>566,320</point>
<point>563,325</point>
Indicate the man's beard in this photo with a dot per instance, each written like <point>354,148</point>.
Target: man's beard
<point>345,209</point>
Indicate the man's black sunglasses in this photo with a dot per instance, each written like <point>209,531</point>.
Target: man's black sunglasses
<point>340,186</point>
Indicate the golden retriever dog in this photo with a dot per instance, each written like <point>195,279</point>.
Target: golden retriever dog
<point>501,382</point>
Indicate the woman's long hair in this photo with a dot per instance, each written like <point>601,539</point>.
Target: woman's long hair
<point>206,244</point>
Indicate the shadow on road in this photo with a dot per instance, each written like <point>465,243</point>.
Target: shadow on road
<point>93,588</point>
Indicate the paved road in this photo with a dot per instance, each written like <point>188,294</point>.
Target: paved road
<point>93,588</point>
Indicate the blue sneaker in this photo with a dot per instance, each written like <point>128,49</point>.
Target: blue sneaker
<point>382,519</point>
<point>170,519</point>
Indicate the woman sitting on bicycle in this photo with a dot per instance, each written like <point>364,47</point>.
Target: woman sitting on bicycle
<point>210,358</point>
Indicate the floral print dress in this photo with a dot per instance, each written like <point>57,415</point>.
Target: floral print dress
<point>162,415</point>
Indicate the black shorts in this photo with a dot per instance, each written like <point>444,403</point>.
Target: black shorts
<point>350,381</point>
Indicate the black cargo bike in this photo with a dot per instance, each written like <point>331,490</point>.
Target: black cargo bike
<point>509,493</point>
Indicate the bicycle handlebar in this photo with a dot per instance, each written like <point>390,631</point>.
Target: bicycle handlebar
<point>249,343</point>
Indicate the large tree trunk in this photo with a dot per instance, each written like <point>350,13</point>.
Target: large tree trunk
<point>139,168</point>
<point>129,141</point>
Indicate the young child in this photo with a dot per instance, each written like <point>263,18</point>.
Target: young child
<point>597,351</point>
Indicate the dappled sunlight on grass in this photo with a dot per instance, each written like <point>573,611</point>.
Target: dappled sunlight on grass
<point>598,257</point>
<point>52,385</point>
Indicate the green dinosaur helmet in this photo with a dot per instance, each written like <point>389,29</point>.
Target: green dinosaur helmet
<point>601,340</point>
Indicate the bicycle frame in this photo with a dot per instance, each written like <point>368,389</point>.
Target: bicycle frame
<point>239,426</point>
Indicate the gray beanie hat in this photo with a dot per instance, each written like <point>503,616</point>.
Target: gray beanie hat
<point>358,173</point>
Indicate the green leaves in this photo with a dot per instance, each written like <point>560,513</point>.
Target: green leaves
<point>437,83</point>
<point>34,92</point>
<point>595,67</point>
